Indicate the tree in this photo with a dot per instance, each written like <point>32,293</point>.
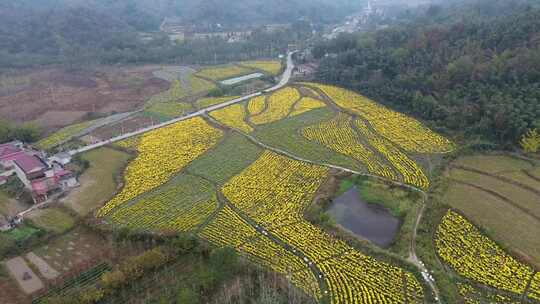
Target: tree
<point>530,141</point>
<point>187,296</point>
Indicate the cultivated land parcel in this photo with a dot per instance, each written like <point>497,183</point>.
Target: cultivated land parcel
<point>244,175</point>
<point>247,175</point>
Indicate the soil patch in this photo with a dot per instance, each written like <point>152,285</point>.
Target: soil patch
<point>65,96</point>
<point>25,277</point>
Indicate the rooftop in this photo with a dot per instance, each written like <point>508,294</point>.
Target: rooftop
<point>30,163</point>
<point>8,150</point>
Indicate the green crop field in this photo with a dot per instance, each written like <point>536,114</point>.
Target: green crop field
<point>493,163</point>
<point>285,135</point>
<point>98,183</point>
<point>494,215</point>
<point>520,197</point>
<point>229,158</point>
<point>52,220</point>
<point>507,211</point>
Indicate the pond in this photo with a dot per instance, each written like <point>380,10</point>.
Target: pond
<point>241,78</point>
<point>369,221</point>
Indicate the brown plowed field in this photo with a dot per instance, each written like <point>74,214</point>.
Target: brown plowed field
<point>54,98</point>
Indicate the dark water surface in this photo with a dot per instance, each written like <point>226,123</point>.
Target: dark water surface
<point>368,221</point>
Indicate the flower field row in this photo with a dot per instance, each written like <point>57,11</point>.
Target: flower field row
<point>474,256</point>
<point>274,191</point>
<point>272,67</point>
<point>163,153</point>
<point>274,188</point>
<point>180,205</point>
<point>282,261</point>
<point>279,106</point>
<point>233,116</point>
<point>356,278</point>
<point>405,131</point>
<point>129,143</point>
<point>63,135</point>
<point>229,229</point>
<point>534,289</point>
<point>411,172</point>
<point>306,104</point>
<point>339,135</point>
<point>223,72</point>
<point>256,105</point>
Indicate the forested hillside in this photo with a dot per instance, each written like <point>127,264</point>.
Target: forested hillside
<point>470,68</point>
<point>78,33</point>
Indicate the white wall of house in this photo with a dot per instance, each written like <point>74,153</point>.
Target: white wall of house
<point>22,176</point>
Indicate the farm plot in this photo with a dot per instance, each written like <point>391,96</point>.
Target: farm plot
<point>233,116</point>
<point>279,106</point>
<point>223,72</point>
<point>225,160</point>
<point>173,103</point>
<point>339,135</point>
<point>493,215</point>
<point>63,135</point>
<point>402,130</point>
<point>534,288</point>
<point>231,192</point>
<point>53,220</point>
<point>136,122</point>
<point>285,187</point>
<point>70,251</point>
<point>256,105</point>
<point>172,147</point>
<point>306,104</point>
<point>515,195</point>
<point>474,256</point>
<point>286,135</point>
<point>472,295</point>
<point>81,282</point>
<point>180,205</point>
<point>98,182</point>
<point>494,190</point>
<point>272,67</point>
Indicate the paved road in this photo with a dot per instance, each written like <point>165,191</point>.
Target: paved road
<point>283,81</point>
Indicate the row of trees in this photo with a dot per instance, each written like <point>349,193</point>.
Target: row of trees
<point>25,133</point>
<point>479,77</point>
<point>215,267</point>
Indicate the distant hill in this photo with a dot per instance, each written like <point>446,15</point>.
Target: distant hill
<point>470,67</point>
<point>106,31</point>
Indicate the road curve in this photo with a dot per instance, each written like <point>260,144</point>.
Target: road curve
<point>283,82</point>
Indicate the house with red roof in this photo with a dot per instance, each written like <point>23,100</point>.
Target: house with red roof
<point>41,177</point>
<point>8,152</point>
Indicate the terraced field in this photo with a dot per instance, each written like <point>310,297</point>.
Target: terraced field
<point>494,190</point>
<point>243,176</point>
<point>497,195</point>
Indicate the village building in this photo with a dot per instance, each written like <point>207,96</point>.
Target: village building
<point>41,176</point>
